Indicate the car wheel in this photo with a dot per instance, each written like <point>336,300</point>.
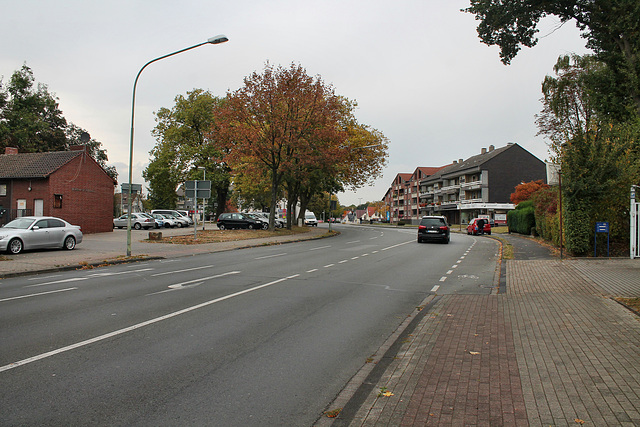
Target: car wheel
<point>69,243</point>
<point>167,225</point>
<point>221,226</point>
<point>265,226</point>
<point>179,225</point>
<point>250,227</point>
<point>15,246</point>
<point>137,226</point>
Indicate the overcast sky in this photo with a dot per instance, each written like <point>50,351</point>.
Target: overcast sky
<point>416,68</point>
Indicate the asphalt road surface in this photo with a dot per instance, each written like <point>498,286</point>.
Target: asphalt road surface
<point>265,336</point>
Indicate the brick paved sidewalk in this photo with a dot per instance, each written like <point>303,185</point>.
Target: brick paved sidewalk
<point>553,350</point>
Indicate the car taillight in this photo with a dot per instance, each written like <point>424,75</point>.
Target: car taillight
<point>422,227</point>
<point>444,228</point>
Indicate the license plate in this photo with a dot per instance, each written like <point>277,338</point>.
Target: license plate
<point>432,231</point>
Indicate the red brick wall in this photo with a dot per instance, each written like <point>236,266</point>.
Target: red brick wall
<point>87,195</point>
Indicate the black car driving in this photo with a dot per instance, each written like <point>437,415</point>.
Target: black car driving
<point>433,228</point>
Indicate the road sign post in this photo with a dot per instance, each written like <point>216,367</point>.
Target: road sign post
<point>601,227</point>
<point>197,190</point>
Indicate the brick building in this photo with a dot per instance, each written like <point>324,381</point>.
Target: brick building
<point>67,184</point>
<point>480,185</point>
<point>403,195</point>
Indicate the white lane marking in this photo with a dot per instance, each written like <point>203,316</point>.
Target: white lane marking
<point>271,256</point>
<point>38,294</point>
<point>312,270</point>
<point>189,283</point>
<point>182,271</point>
<point>321,247</point>
<point>458,261</point>
<point>119,273</point>
<point>454,266</point>
<point>329,265</point>
<point>343,261</point>
<point>435,288</point>
<point>443,278</point>
<point>355,241</point>
<point>450,271</point>
<point>355,257</point>
<point>78,279</point>
<point>46,277</point>
<point>137,326</point>
<point>75,279</point>
<point>395,246</point>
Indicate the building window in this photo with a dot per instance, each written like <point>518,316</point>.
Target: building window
<point>57,201</point>
<point>3,189</point>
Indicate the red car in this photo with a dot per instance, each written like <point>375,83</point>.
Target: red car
<point>479,226</point>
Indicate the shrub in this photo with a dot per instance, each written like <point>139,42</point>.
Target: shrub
<point>522,218</point>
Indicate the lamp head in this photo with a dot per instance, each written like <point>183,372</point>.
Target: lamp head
<point>220,38</point>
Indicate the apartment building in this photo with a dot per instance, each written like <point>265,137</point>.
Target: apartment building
<point>403,195</point>
<point>479,186</point>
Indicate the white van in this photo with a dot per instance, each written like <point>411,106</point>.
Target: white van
<point>310,219</point>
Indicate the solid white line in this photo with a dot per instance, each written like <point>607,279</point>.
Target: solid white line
<point>136,326</point>
<point>118,273</point>
<point>76,279</point>
<point>270,256</point>
<point>435,288</point>
<point>38,294</point>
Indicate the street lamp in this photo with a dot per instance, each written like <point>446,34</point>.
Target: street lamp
<point>213,40</point>
<point>204,178</point>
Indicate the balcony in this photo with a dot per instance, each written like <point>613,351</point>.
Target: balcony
<point>474,185</point>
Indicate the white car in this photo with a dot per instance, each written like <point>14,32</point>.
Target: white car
<point>36,232</point>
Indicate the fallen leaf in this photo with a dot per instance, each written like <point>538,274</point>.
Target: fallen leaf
<point>474,352</point>
<point>388,394</point>
<point>579,421</point>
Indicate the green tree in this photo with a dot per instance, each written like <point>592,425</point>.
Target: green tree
<point>185,141</point>
<point>31,121</point>
<point>599,158</point>
<point>611,28</point>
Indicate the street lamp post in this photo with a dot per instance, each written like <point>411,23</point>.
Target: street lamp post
<point>213,40</point>
<point>204,178</point>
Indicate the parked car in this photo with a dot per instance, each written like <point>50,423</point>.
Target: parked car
<point>36,232</point>
<point>184,215</point>
<point>264,222</point>
<point>138,221</point>
<point>237,220</point>
<point>159,220</point>
<point>279,222</point>
<point>434,228</point>
<point>310,219</point>
<point>169,221</point>
<point>479,226</point>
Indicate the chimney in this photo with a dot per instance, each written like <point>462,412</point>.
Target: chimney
<point>10,150</point>
<point>491,148</point>
<point>484,151</point>
<point>461,160</point>
<point>455,162</point>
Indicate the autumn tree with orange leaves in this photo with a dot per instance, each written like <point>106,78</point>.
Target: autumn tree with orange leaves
<point>294,129</point>
<point>525,190</point>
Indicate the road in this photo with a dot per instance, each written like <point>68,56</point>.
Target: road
<point>261,336</point>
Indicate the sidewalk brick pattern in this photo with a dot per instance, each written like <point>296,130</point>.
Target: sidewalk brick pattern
<point>578,351</point>
<point>552,351</point>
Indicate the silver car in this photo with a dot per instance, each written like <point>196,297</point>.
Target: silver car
<point>37,232</point>
<point>138,221</point>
